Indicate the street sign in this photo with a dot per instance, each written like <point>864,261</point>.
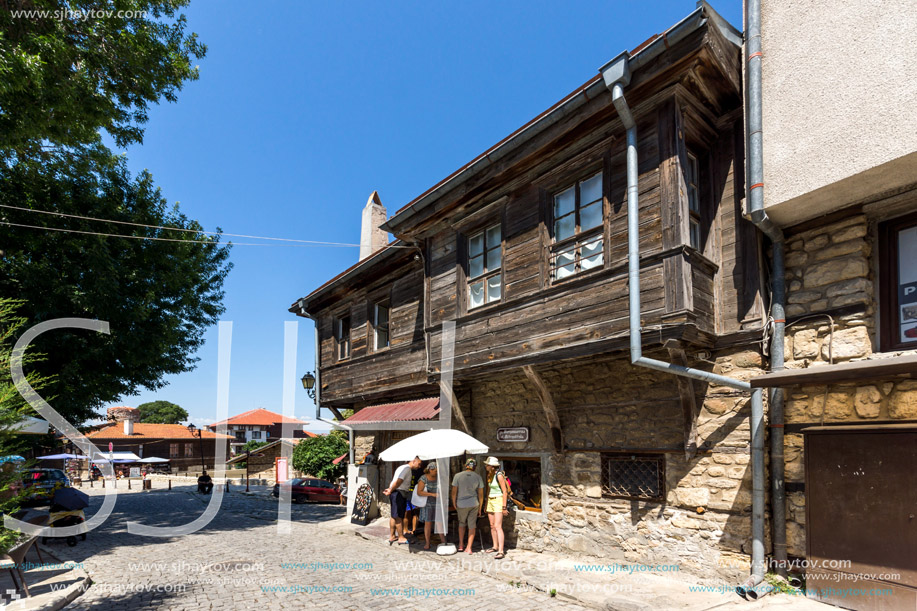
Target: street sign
<point>282,470</point>
<point>111,446</point>
<point>515,434</point>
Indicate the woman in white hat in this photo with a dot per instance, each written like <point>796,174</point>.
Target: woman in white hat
<point>497,498</point>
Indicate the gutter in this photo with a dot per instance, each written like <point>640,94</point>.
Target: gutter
<point>757,215</point>
<point>617,75</point>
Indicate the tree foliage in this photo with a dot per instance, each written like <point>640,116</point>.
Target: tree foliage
<point>162,412</point>
<point>66,72</point>
<point>12,410</point>
<point>158,296</point>
<point>314,456</point>
<point>252,445</point>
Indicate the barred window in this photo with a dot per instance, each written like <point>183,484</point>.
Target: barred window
<point>577,230</point>
<point>628,476</point>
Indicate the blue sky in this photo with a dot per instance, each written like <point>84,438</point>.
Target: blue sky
<point>304,108</point>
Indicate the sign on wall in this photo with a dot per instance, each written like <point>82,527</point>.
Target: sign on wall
<point>282,470</point>
<point>907,284</point>
<point>135,471</point>
<point>513,434</point>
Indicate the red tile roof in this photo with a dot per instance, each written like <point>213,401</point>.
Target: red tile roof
<point>420,409</point>
<point>260,416</point>
<point>151,431</point>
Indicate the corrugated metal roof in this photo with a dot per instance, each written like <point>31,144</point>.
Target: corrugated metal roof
<point>404,411</point>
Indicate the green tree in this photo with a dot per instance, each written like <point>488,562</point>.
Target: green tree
<point>345,414</point>
<point>159,295</point>
<point>252,445</point>
<point>314,456</point>
<point>162,412</point>
<point>68,73</point>
<point>12,410</point>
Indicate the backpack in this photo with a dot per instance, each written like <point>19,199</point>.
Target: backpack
<point>510,502</point>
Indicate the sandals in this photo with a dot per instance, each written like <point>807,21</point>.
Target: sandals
<point>500,556</point>
<point>490,551</point>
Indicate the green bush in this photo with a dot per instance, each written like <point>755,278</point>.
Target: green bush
<point>313,456</point>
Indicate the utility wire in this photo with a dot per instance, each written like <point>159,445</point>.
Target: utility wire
<point>234,235</point>
<point>140,237</point>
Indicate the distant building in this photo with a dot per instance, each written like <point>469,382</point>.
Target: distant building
<point>172,441</point>
<point>261,425</point>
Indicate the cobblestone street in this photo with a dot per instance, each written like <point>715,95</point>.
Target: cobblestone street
<point>239,561</point>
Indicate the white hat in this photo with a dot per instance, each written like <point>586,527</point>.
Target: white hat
<point>492,461</point>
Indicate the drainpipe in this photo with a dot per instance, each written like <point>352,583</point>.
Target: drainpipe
<point>758,216</point>
<point>616,75</point>
<point>318,387</point>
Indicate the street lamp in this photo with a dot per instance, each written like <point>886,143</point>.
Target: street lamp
<point>199,433</point>
<point>308,382</point>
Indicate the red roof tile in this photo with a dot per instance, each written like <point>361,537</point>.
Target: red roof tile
<point>258,416</point>
<point>420,409</point>
<point>151,431</point>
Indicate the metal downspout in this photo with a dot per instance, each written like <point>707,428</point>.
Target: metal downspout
<point>758,216</point>
<point>617,74</point>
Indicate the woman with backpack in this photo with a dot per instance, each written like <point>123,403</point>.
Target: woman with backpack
<point>497,498</point>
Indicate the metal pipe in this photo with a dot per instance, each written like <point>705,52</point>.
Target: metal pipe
<point>340,425</point>
<point>758,216</point>
<point>616,75</point>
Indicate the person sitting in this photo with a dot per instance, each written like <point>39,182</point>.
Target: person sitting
<point>204,483</point>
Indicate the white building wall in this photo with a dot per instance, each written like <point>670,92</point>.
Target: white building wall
<point>840,123</point>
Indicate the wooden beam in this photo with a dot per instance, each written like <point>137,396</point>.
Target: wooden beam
<point>457,411</point>
<point>335,411</point>
<point>547,403</point>
<point>688,403</point>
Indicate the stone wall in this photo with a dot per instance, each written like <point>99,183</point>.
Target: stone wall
<point>704,524</point>
<point>828,268</point>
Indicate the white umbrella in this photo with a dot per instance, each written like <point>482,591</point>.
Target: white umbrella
<point>31,426</point>
<point>439,443</point>
<point>153,459</point>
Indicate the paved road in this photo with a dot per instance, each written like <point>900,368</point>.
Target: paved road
<point>239,561</point>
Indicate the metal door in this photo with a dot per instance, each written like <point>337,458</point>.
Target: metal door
<point>861,516</point>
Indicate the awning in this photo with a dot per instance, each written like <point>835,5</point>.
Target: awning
<point>404,411</point>
<point>338,460</point>
<point>153,459</point>
<point>115,457</point>
<point>853,371</point>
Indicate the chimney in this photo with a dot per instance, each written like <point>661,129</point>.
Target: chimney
<point>128,427</point>
<point>372,238</point>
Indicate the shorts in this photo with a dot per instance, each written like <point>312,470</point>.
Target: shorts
<point>399,504</point>
<point>467,516</point>
<point>495,504</point>
<point>409,506</point>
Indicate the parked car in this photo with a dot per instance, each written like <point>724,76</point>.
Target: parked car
<point>309,489</point>
<point>41,484</point>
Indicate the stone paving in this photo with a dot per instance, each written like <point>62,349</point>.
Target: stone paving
<point>239,561</point>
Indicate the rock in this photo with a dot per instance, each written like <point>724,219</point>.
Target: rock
<point>837,270</point>
<point>794,309</point>
<point>838,406</point>
<point>693,497</point>
<point>719,405</point>
<point>850,233</point>
<point>803,296</point>
<point>858,246</point>
<point>594,491</point>
<point>848,344</point>
<point>805,344</point>
<point>867,402</point>
<point>722,459</point>
<point>816,243</point>
<point>903,402</point>
<point>845,300</point>
<point>857,285</point>
<point>716,471</point>
<point>796,259</point>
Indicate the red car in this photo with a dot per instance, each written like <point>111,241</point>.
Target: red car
<point>309,489</point>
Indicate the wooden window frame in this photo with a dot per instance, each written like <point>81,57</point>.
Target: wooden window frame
<point>174,450</point>
<point>488,272</point>
<point>659,459</point>
<point>889,326</point>
<point>695,205</point>
<point>374,324</point>
<point>189,450</point>
<point>337,333</point>
<point>541,475</point>
<point>579,238</point>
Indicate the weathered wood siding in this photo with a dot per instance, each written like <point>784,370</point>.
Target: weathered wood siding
<point>368,372</point>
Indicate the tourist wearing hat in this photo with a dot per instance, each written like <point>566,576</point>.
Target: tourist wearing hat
<point>468,499</point>
<point>427,486</point>
<point>497,498</point>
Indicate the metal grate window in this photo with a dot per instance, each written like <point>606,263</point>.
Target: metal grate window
<point>639,477</point>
